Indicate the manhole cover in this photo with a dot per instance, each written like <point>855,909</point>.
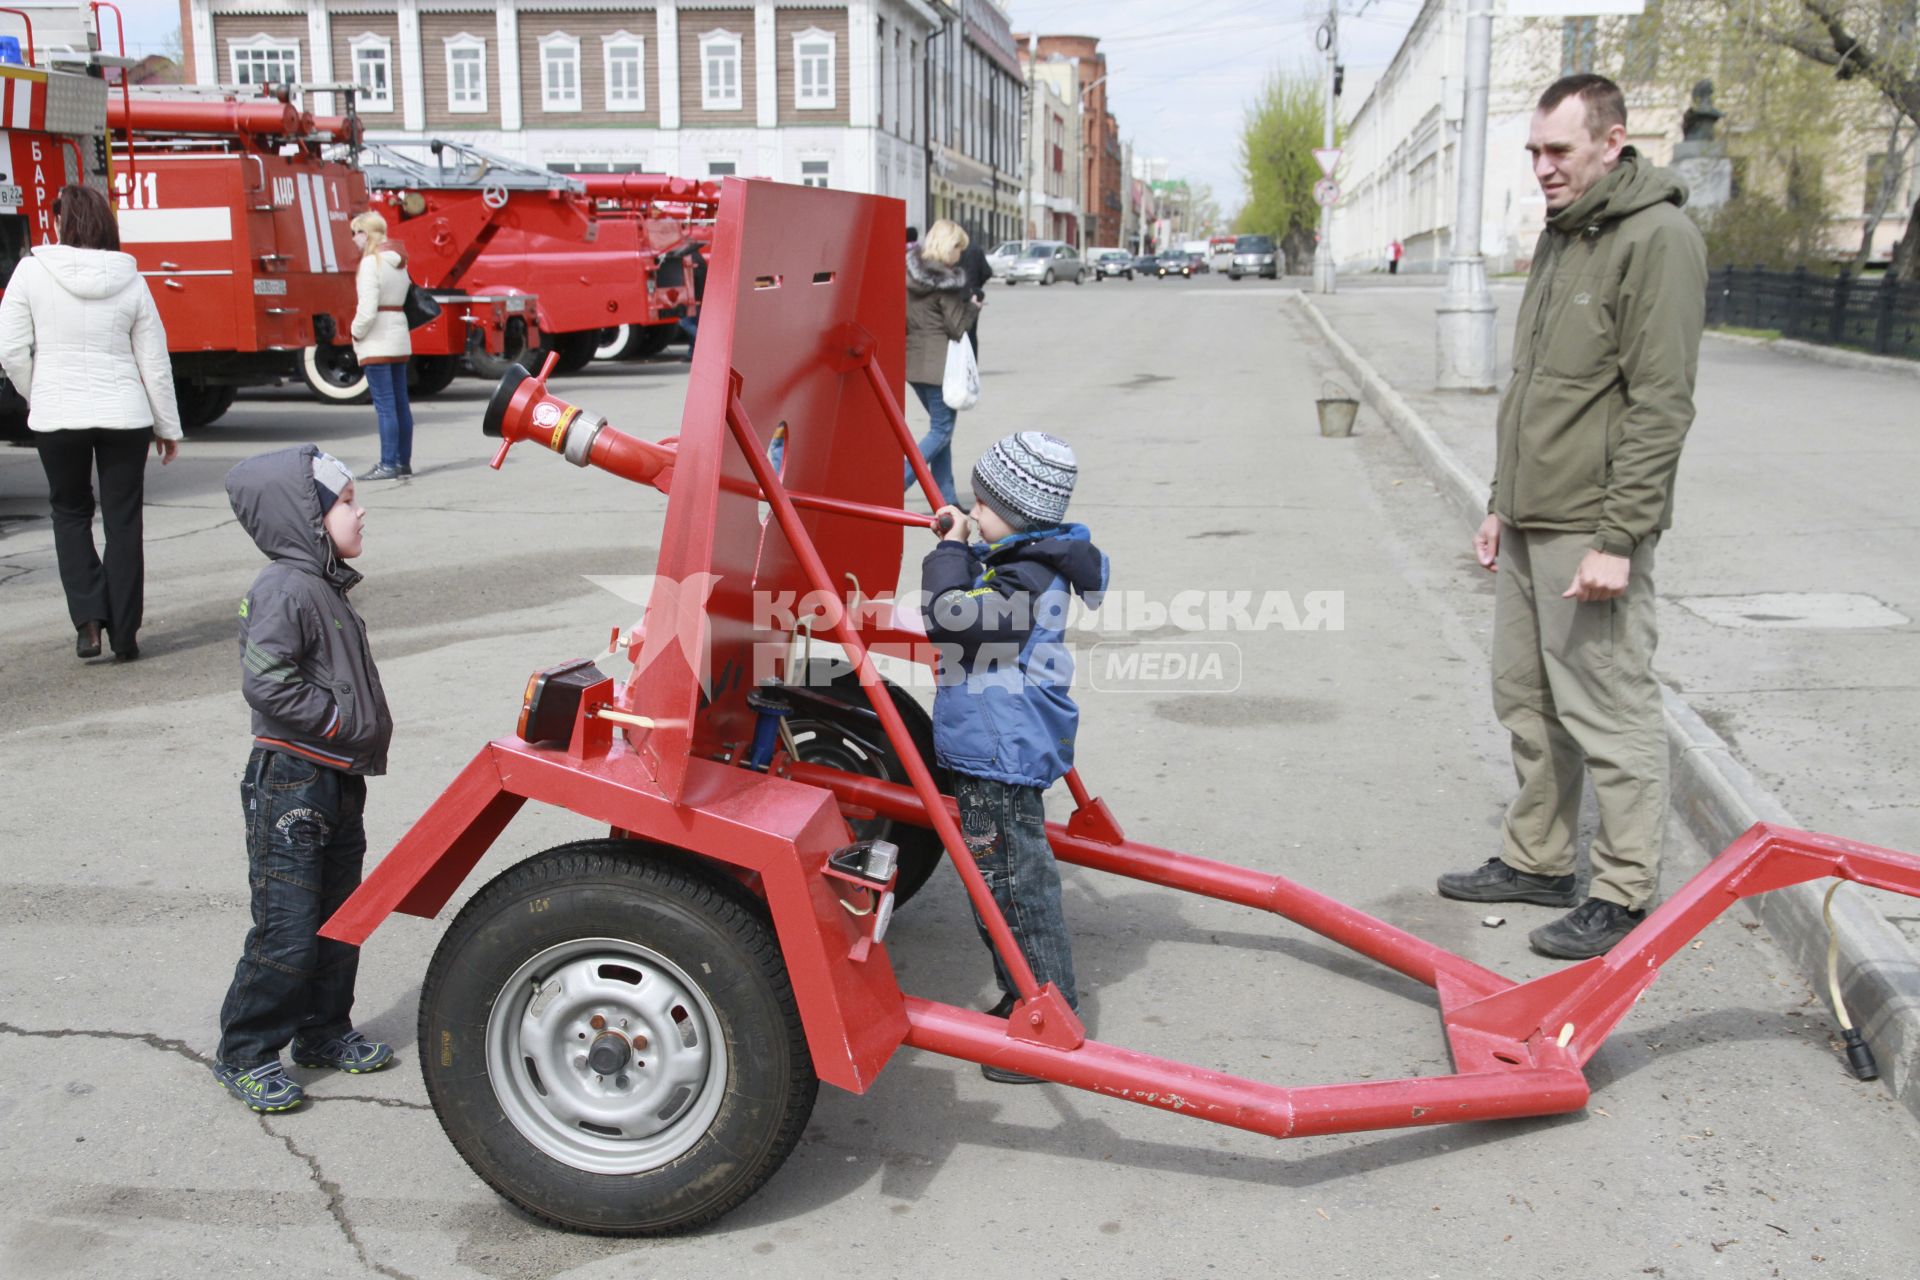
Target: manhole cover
<point>1794,610</point>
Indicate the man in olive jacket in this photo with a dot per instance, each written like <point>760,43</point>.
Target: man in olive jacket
<point>1589,439</point>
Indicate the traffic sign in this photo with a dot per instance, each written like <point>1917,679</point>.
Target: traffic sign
<point>1326,192</point>
<point>1328,157</point>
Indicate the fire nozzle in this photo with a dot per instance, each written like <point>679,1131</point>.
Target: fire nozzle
<point>523,409</point>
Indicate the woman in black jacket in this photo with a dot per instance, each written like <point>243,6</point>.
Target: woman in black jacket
<point>940,308</point>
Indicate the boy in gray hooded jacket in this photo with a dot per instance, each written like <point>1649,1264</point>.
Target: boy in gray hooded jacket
<point>320,727</point>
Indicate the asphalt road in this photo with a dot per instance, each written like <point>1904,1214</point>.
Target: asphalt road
<point>1724,1136</point>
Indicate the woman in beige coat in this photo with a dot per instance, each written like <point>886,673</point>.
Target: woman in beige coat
<point>381,342</point>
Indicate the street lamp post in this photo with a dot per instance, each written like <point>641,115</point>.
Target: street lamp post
<point>1325,278</point>
<point>1467,314</point>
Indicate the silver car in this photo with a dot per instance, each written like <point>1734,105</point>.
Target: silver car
<point>1046,261</point>
<point>1003,255</point>
<point>1254,256</point>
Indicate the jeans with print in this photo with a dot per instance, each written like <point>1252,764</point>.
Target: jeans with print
<point>388,385</point>
<point>937,447</point>
<point>305,844</point>
<point>1005,827</point>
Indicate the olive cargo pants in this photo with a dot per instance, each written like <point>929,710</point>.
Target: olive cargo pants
<point>1573,683</point>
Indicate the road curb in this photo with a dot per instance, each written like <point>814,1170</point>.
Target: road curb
<point>1717,798</point>
<point>1837,356</point>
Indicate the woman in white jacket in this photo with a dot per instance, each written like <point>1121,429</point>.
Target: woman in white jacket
<point>381,342</point>
<point>82,342</point>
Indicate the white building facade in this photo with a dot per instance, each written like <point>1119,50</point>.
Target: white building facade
<point>1053,154</point>
<point>827,95</point>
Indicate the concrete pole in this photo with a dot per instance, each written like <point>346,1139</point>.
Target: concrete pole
<point>1467,314</point>
<point>1325,278</point>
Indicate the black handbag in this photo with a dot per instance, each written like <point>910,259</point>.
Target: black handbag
<point>420,307</point>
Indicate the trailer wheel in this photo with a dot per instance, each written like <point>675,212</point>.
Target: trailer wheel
<point>848,736</point>
<point>616,343</point>
<point>333,375</point>
<point>430,375</point>
<point>200,403</point>
<point>611,1041</point>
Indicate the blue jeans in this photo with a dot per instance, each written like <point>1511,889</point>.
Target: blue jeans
<point>305,844</point>
<point>388,383</point>
<point>937,447</point>
<point>1005,828</point>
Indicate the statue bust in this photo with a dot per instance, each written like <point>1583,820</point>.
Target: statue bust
<point>1698,122</point>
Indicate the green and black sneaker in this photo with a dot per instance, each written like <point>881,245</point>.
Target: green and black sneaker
<point>263,1088</point>
<point>352,1053</point>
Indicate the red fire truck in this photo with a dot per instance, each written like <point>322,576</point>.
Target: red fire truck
<point>52,132</point>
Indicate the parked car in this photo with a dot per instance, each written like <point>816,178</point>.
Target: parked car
<point>1112,262</point>
<point>1046,261</point>
<point>1148,265</point>
<point>1002,255</point>
<point>1254,255</point>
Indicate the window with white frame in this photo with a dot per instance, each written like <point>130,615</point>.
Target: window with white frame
<point>263,59</point>
<point>372,59</point>
<point>626,59</point>
<point>466,74</point>
<point>813,87</point>
<point>559,72</point>
<point>720,71</point>
<point>815,173</point>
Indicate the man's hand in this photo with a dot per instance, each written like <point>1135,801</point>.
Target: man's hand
<point>1599,577</point>
<point>166,450</point>
<point>951,524</point>
<point>1486,544</point>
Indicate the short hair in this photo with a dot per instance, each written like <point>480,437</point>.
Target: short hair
<point>374,227</point>
<point>1606,105</point>
<point>85,218</point>
<point>944,242</point>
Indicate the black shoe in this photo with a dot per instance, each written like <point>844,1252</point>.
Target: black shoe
<point>1498,882</point>
<point>86,644</point>
<point>1590,929</point>
<point>1003,1009</point>
<point>380,473</point>
<point>404,469</point>
<point>129,654</point>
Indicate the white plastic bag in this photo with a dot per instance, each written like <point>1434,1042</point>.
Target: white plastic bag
<point>961,386</point>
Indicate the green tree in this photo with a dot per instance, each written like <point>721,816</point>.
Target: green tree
<point>1283,126</point>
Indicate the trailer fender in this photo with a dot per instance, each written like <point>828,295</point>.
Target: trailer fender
<point>778,831</point>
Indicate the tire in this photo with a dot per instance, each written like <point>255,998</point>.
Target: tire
<point>1129,275</point>
<point>651,340</point>
<point>333,375</point>
<point>513,351</point>
<point>616,343</point>
<point>1047,278</point>
<point>576,351</point>
<point>1079,277</point>
<point>842,731</point>
<point>658,1141</point>
<point>428,376</point>
<point>201,404</point>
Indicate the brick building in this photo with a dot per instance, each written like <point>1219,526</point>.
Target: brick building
<point>819,93</point>
<point>1102,208</point>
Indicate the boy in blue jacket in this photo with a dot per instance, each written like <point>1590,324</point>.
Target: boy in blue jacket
<point>320,728</point>
<point>1004,718</point>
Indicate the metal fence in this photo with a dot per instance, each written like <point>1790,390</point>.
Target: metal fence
<point>1863,312</point>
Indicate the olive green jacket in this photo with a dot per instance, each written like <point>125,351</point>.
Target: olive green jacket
<point>1604,359</point>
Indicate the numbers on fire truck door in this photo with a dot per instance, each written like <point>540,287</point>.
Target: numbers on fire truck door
<point>142,191</point>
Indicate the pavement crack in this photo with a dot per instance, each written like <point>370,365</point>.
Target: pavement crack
<point>152,1041</point>
<point>400,1103</point>
<point>336,1203</point>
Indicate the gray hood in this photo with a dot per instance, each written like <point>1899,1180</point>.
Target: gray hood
<point>272,495</point>
<point>88,273</point>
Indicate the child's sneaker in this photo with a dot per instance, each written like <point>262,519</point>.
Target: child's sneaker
<point>264,1088</point>
<point>352,1053</point>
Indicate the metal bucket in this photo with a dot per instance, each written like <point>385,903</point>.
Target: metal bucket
<point>1337,411</point>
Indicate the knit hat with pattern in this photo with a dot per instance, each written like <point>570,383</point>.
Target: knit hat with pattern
<point>330,479</point>
<point>1026,480</point>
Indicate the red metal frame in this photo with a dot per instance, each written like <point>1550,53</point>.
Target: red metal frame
<point>668,772</point>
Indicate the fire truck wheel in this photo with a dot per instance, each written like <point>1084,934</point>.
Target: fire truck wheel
<point>576,350</point>
<point>616,343</point>
<point>333,375</point>
<point>201,404</point>
<point>844,733</point>
<point>652,339</point>
<point>611,1041</point>
<point>430,375</point>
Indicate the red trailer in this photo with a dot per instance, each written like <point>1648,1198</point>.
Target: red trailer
<point>238,219</point>
<point>626,1033</point>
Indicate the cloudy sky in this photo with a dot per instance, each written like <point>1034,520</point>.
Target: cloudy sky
<point>1179,84</point>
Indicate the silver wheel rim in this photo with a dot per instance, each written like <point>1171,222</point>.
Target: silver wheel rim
<point>543,1048</point>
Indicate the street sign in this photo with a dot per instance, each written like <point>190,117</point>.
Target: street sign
<point>1328,157</point>
<point>1326,192</point>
